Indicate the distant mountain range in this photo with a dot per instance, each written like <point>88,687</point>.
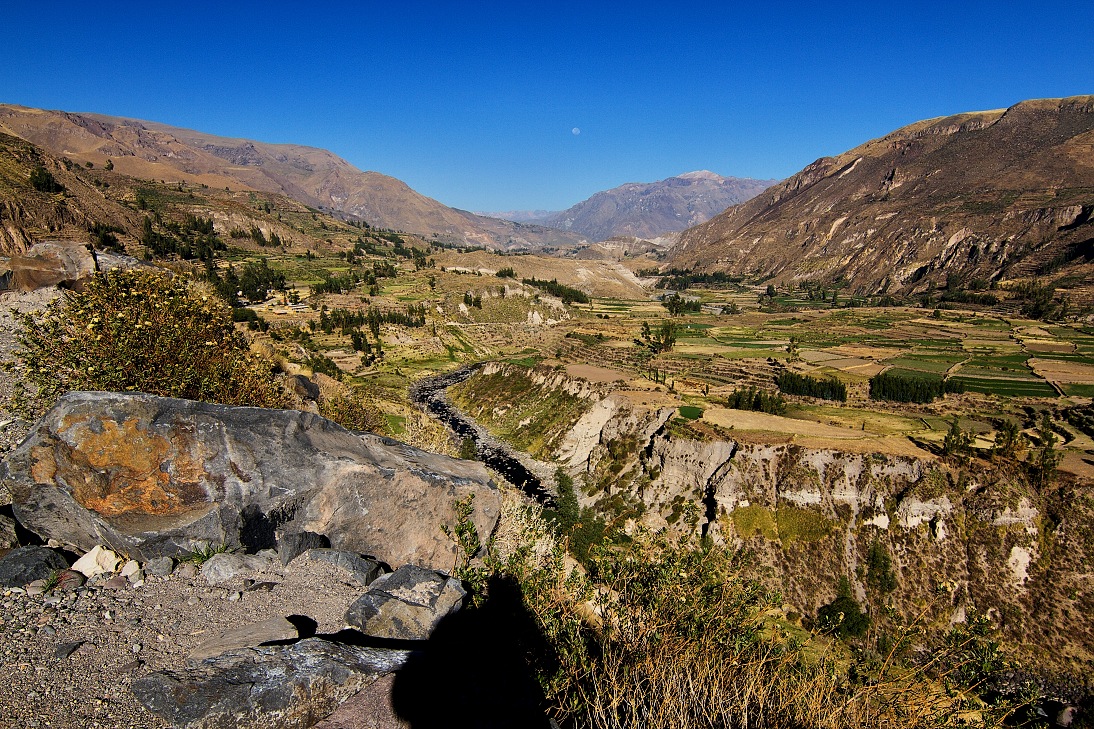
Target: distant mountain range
<point>983,195</point>
<point>314,177</point>
<point>648,209</point>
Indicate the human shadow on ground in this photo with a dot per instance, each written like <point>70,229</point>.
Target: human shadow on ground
<point>476,669</point>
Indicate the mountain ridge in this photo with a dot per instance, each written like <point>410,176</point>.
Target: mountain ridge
<point>310,175</point>
<point>653,209</point>
<point>989,194</point>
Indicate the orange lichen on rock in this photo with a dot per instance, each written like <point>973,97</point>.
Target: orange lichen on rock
<point>124,469</point>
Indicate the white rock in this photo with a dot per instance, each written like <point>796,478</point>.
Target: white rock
<point>130,568</point>
<point>98,561</point>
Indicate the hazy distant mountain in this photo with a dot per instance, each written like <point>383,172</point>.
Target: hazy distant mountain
<point>995,194</point>
<point>650,210</point>
<point>312,176</point>
<point>522,216</point>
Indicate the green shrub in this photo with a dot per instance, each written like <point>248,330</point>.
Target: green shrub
<point>142,331</point>
<point>843,616</point>
<point>43,180</point>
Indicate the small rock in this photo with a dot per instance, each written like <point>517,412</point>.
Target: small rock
<point>186,570</point>
<point>33,589</point>
<point>69,580</point>
<point>406,604</point>
<point>8,539</point>
<point>99,560</point>
<point>260,586</point>
<point>274,686</point>
<point>235,596</point>
<point>65,650</point>
<point>246,636</point>
<point>222,567</point>
<point>26,564</point>
<point>117,582</point>
<point>136,647</point>
<point>292,545</point>
<point>129,569</point>
<point>159,567</point>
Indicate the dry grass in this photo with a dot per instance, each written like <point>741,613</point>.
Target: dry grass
<point>659,634</point>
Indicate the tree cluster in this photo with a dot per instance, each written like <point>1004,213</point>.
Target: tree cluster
<point>752,398</point>
<point>554,288</point>
<point>829,388</point>
<point>677,304</point>
<point>905,388</point>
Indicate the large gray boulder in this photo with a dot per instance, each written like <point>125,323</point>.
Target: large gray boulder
<point>276,687</point>
<point>151,477</point>
<point>406,604</point>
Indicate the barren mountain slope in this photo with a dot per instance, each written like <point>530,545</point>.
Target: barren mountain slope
<point>993,195</point>
<point>312,176</point>
<point>649,210</point>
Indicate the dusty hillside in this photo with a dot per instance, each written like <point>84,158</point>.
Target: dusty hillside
<point>606,279</point>
<point>308,175</point>
<point>650,210</point>
<point>995,195</point>
<point>28,215</point>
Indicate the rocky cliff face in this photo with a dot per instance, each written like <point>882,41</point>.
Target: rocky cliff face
<point>998,194</point>
<point>961,538</point>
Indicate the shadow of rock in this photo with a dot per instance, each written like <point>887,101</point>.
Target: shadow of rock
<point>476,668</point>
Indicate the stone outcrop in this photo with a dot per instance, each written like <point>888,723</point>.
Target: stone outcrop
<point>406,604</point>
<point>152,477</point>
<point>277,687</point>
<point>51,263</point>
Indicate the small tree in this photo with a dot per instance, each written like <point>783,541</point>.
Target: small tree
<point>43,180</point>
<point>1045,459</point>
<point>956,441</point>
<point>143,331</point>
<point>1008,440</point>
<point>843,616</point>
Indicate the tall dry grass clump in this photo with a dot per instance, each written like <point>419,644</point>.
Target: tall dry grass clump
<point>657,633</point>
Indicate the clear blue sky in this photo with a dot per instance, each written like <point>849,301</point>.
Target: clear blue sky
<point>475,103</point>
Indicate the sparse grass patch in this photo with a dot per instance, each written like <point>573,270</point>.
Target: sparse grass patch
<point>796,524</point>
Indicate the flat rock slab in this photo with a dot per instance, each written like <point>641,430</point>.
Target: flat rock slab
<point>406,604</point>
<point>151,477</point>
<point>27,564</point>
<point>365,571</point>
<point>265,688</point>
<point>245,636</point>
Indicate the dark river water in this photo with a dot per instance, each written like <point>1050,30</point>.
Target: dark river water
<point>429,394</point>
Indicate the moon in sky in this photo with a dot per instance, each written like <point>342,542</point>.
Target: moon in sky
<point>575,131</point>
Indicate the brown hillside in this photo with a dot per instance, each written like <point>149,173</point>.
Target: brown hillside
<point>995,195</point>
<point>314,177</point>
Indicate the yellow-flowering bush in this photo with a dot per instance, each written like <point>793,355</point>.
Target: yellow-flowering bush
<point>142,331</point>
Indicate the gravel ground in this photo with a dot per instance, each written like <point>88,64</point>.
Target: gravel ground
<point>126,633</point>
<point>12,427</point>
